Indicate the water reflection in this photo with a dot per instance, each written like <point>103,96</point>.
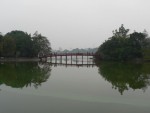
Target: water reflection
<point>124,76</point>
<point>19,75</point>
<point>41,64</point>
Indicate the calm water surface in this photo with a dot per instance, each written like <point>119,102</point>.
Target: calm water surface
<point>103,88</point>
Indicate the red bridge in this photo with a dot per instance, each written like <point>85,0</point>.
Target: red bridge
<point>70,54</point>
<point>66,54</point>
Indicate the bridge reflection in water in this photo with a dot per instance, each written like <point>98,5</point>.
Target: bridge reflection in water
<point>42,64</point>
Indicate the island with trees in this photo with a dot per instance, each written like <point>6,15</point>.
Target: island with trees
<point>123,46</point>
<point>19,44</point>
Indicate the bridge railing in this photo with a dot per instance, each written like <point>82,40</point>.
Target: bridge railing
<point>70,54</point>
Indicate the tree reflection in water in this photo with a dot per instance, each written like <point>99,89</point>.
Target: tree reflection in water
<point>124,76</point>
<point>19,75</point>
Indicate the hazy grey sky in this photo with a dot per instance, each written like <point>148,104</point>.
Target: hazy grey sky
<point>74,23</point>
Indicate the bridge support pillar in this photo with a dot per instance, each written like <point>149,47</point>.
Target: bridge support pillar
<point>82,58</point>
<point>50,59</point>
<point>66,58</point>
<point>56,59</point>
<point>76,59</point>
<point>71,58</point>
<point>61,59</point>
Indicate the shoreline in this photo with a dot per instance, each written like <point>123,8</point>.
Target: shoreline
<point>19,59</point>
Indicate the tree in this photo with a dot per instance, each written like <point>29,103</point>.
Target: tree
<point>136,43</point>
<point>115,47</point>
<point>138,39</point>
<point>146,49</point>
<point>40,44</point>
<point>1,44</point>
<point>23,43</point>
<point>122,46</point>
<point>121,33</point>
<point>9,47</point>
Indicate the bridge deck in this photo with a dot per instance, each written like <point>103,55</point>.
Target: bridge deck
<point>68,54</point>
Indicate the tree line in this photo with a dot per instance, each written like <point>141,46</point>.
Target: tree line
<point>77,50</point>
<point>123,46</point>
<point>21,44</point>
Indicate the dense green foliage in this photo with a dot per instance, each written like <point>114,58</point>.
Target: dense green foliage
<point>21,44</point>
<point>123,46</point>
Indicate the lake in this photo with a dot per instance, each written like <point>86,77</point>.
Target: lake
<point>105,87</point>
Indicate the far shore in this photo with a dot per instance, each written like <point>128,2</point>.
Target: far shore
<point>19,59</point>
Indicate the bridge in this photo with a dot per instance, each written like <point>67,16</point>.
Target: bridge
<point>66,55</point>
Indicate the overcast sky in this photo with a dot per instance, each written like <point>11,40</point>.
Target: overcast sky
<point>74,23</point>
